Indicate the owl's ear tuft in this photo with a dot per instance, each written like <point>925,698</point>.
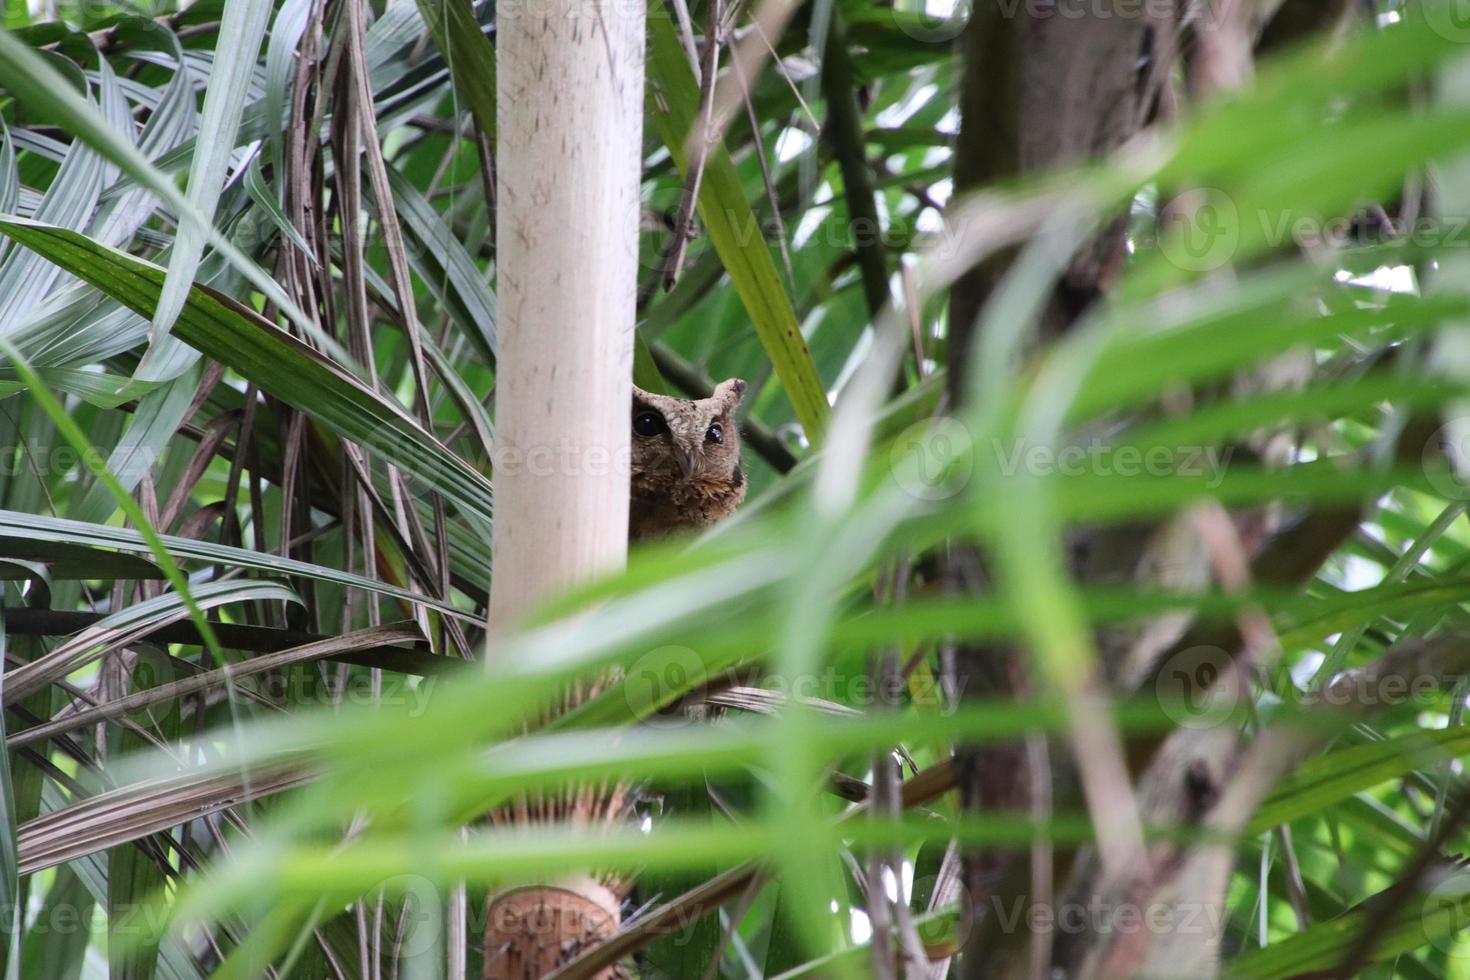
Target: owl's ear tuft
<point>730,391</point>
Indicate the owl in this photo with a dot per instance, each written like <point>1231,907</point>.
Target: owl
<point>686,461</point>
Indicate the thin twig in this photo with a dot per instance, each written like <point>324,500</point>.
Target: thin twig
<point>686,33</point>
<point>766,178</point>
<point>1380,915</point>
<point>1038,759</point>
<point>774,17</point>
<point>916,315</point>
<point>737,916</point>
<point>699,149</point>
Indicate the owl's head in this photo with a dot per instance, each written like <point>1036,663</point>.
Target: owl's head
<point>687,441</point>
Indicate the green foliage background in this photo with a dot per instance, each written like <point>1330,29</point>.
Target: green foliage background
<point>272,491</point>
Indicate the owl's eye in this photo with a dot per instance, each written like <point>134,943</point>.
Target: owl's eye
<point>649,424</point>
<point>715,433</point>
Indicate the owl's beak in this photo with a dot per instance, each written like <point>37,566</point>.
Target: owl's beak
<point>685,459</point>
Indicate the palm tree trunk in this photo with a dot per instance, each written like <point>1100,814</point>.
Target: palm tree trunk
<point>570,98</point>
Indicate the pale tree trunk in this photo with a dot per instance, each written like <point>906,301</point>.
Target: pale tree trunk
<point>570,98</point>
<point>1040,93</point>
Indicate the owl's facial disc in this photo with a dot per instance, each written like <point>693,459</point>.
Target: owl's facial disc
<point>687,441</point>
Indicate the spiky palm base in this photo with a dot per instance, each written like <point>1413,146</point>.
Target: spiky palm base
<point>533,930</point>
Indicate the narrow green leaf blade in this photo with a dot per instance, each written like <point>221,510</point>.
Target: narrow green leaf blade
<point>231,333</point>
<point>733,228</point>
